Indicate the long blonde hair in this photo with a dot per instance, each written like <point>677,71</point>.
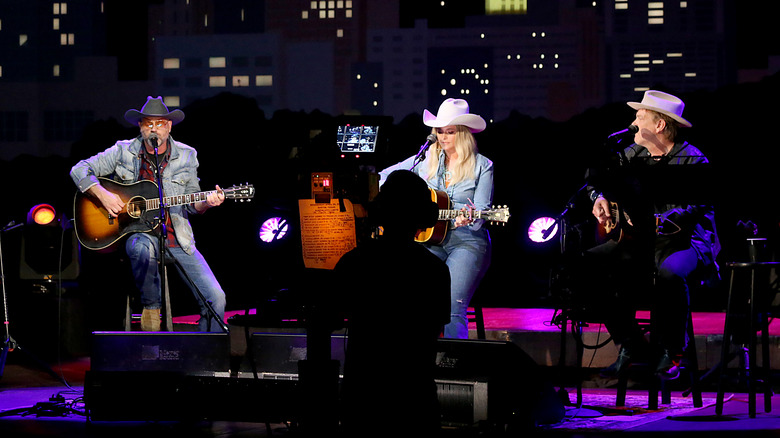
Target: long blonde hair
<point>466,148</point>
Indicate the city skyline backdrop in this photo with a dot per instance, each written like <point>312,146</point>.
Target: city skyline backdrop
<point>66,65</point>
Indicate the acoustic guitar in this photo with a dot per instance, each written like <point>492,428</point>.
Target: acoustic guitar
<point>617,228</point>
<point>95,230</point>
<point>436,234</point>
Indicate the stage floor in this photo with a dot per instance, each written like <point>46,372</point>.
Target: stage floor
<point>34,402</point>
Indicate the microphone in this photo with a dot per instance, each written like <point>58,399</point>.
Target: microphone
<point>153,140</point>
<point>428,140</point>
<point>632,129</point>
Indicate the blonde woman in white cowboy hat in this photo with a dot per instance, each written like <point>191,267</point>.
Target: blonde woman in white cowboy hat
<point>130,161</point>
<point>685,242</point>
<point>454,166</point>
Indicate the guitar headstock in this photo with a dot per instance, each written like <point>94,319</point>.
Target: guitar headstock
<point>500,214</point>
<point>243,192</point>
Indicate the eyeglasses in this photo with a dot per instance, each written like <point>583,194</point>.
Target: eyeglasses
<point>149,124</point>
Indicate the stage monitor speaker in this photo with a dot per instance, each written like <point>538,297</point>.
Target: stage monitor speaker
<point>277,354</point>
<point>189,353</point>
<point>493,382</point>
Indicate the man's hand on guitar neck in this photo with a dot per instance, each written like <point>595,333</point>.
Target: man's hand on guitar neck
<point>212,200</point>
<point>113,204</point>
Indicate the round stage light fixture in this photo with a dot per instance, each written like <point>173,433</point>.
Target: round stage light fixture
<point>542,229</point>
<point>273,229</point>
<point>42,214</point>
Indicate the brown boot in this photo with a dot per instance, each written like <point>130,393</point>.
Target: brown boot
<point>150,320</point>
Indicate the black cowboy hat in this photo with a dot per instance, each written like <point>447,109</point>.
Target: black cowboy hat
<point>154,107</point>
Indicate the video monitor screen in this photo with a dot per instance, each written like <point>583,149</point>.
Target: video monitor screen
<point>357,138</point>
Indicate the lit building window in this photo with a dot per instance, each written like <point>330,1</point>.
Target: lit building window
<point>171,63</point>
<point>683,4</point>
<point>640,69</point>
<point>655,13</point>
<point>323,14</point>
<point>56,70</point>
<point>217,62</point>
<point>264,80</point>
<point>348,13</point>
<point>339,33</point>
<point>172,101</point>
<point>621,4</point>
<point>240,81</point>
<point>359,76</point>
<point>443,92</point>
<point>625,76</point>
<point>217,81</point>
<point>1,71</point>
<point>22,39</point>
<point>305,15</point>
<point>67,39</point>
<point>313,5</point>
<point>60,8</point>
<point>55,25</point>
<point>690,75</point>
<point>674,55</point>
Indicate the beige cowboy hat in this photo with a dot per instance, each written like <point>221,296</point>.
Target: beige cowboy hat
<point>663,103</point>
<point>454,112</point>
<point>154,107</point>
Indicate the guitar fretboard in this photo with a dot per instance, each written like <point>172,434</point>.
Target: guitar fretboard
<point>445,215</point>
<point>175,201</point>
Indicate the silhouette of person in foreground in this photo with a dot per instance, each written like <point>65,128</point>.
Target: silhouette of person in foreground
<point>396,298</point>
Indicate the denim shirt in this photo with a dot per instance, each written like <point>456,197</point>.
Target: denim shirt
<point>479,190</point>
<point>122,160</point>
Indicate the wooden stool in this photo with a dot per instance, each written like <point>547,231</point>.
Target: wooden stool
<point>166,305</point>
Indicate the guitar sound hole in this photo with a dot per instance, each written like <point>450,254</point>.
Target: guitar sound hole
<point>135,208</point>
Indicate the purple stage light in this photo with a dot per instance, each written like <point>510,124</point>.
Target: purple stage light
<point>540,231</point>
<point>274,228</point>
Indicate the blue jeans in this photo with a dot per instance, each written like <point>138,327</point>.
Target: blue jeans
<point>467,254</point>
<point>142,250</point>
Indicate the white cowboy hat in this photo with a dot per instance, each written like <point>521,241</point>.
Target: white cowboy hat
<point>663,103</point>
<point>454,112</point>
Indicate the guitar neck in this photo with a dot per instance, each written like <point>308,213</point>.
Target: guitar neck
<point>175,201</point>
<point>445,215</point>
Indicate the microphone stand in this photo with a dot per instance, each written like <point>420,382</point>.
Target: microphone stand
<point>421,154</point>
<point>163,248</point>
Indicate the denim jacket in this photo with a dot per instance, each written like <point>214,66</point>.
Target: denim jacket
<point>479,190</point>
<point>123,161</point>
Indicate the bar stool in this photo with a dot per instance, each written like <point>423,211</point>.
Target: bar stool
<point>757,320</point>
<point>691,368</point>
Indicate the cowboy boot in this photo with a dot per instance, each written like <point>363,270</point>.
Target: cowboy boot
<point>150,320</point>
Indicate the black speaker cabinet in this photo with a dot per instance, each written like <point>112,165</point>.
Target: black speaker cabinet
<point>493,382</point>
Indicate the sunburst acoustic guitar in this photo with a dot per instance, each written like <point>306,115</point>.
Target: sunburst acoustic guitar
<point>97,231</point>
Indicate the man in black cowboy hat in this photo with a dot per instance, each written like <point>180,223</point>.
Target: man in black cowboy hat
<point>130,161</point>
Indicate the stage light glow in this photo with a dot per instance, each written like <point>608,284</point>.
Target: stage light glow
<point>42,214</point>
<point>273,229</point>
<point>539,231</point>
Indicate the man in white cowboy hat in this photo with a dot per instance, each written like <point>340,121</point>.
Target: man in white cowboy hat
<point>453,166</point>
<point>684,242</point>
<point>130,161</point>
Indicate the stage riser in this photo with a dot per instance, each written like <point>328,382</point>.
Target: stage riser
<point>477,381</point>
